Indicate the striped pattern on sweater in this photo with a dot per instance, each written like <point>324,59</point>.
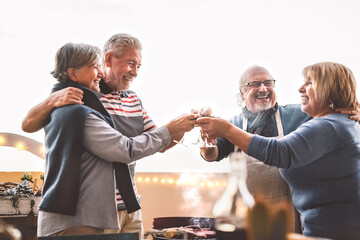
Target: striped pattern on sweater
<point>131,119</point>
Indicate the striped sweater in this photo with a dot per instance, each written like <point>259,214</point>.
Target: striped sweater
<point>131,119</point>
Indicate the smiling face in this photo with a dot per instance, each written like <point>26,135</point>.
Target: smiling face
<point>328,86</point>
<point>309,101</point>
<point>260,98</point>
<point>120,71</point>
<point>88,76</point>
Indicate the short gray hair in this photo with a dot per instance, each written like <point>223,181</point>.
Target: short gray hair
<point>73,55</point>
<point>118,43</point>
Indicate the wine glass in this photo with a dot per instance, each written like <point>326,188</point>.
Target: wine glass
<point>182,140</point>
<point>202,140</point>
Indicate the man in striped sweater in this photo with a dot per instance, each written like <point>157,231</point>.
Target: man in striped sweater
<point>121,60</point>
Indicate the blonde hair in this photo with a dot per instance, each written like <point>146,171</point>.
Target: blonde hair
<point>335,84</point>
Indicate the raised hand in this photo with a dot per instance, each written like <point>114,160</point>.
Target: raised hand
<point>184,123</point>
<point>213,127</point>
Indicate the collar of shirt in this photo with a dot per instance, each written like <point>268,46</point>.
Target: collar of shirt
<point>104,89</point>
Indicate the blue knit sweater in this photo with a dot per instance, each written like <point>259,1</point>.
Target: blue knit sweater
<point>64,145</point>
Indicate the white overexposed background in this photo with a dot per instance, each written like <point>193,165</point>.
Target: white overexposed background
<point>193,54</point>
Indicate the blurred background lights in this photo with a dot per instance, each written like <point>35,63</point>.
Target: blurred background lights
<point>2,140</point>
<point>20,147</point>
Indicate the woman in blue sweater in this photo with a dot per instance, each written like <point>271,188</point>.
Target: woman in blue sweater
<point>321,159</point>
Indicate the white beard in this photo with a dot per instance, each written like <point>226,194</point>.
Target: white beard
<point>259,108</point>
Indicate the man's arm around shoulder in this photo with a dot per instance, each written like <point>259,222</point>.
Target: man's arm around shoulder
<point>37,116</point>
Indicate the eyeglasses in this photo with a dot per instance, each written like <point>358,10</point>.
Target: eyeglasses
<point>256,84</point>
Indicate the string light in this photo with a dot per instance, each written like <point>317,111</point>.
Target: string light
<point>20,147</point>
<point>42,149</point>
<point>22,143</point>
<point>191,182</point>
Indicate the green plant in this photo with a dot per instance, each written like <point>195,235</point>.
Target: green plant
<point>27,176</point>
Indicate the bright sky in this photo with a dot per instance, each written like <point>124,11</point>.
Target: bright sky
<point>193,54</point>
